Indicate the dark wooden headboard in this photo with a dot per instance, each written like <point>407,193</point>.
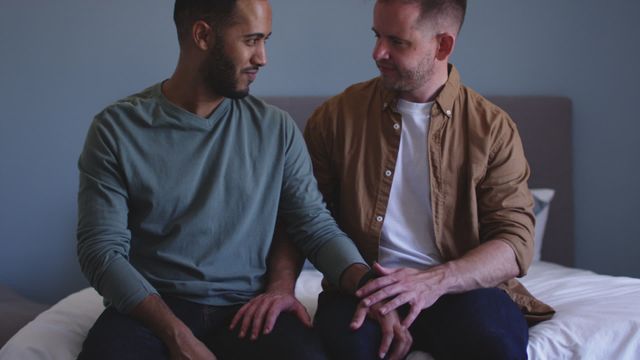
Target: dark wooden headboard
<point>544,123</point>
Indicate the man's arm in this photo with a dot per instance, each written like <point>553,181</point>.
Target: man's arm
<point>284,264</point>
<point>309,224</point>
<point>259,315</point>
<point>506,233</point>
<point>488,265</point>
<point>182,344</point>
<point>103,246</point>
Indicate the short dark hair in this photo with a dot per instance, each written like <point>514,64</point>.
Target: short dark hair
<point>217,13</point>
<point>453,10</point>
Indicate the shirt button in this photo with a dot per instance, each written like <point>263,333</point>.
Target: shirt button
<point>379,218</point>
<point>448,112</point>
<point>396,126</point>
<point>388,173</point>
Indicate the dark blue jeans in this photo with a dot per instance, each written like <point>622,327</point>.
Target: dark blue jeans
<point>480,324</point>
<point>118,336</point>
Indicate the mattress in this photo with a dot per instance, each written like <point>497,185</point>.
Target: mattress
<point>598,317</point>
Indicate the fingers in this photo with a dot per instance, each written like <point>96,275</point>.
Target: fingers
<point>259,318</point>
<point>402,343</point>
<point>396,302</point>
<point>359,316</point>
<point>387,293</point>
<point>375,285</point>
<point>387,338</point>
<point>411,316</point>
<point>301,312</point>
<point>248,319</point>
<point>239,315</point>
<point>384,270</point>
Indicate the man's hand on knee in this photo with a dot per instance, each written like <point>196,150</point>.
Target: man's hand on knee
<point>260,314</point>
<point>395,336</point>
<point>396,287</point>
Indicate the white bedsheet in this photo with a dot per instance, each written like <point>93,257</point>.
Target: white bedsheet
<point>598,317</point>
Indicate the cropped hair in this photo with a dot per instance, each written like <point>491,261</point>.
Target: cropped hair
<point>449,10</point>
<point>217,13</point>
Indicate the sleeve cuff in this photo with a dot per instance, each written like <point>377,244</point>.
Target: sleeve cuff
<point>123,286</point>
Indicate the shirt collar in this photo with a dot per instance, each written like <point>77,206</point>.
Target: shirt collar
<point>449,92</point>
<point>444,100</point>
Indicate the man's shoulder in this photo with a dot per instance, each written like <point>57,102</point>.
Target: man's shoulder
<point>264,117</point>
<point>124,108</point>
<point>358,92</point>
<point>355,99</point>
<point>263,111</point>
<point>261,107</point>
<point>482,109</point>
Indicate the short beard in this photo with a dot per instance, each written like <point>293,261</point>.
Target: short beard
<point>219,73</point>
<point>410,80</point>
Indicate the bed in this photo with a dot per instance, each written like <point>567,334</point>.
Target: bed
<point>597,317</point>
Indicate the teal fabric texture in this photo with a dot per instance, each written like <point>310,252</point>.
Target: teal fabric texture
<point>173,203</point>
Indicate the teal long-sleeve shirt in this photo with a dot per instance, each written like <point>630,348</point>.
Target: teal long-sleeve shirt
<point>173,203</point>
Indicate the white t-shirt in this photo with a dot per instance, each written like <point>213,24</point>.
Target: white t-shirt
<point>408,238</point>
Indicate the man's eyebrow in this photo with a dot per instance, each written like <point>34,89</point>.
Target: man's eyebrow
<point>392,37</point>
<point>257,35</point>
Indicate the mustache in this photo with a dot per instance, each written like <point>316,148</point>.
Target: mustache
<point>251,69</point>
<point>385,64</point>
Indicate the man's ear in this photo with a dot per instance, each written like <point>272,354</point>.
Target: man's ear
<point>446,42</point>
<point>202,35</point>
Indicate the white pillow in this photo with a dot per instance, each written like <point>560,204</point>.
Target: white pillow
<point>541,202</point>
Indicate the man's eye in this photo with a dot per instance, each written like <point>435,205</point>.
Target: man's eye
<point>252,42</point>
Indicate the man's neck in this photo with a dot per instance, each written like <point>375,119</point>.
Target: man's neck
<point>186,90</point>
<point>430,90</point>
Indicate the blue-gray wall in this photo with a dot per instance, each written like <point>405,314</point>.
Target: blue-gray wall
<point>62,61</point>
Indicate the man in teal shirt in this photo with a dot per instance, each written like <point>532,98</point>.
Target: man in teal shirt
<point>180,189</point>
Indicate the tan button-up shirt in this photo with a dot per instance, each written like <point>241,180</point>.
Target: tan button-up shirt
<point>478,172</point>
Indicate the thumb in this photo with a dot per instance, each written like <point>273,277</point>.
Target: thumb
<point>301,312</point>
<point>381,270</point>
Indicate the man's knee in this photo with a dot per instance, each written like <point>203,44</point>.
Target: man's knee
<point>117,336</point>
<point>333,320</point>
<point>297,340</point>
<point>290,339</point>
<point>497,345</point>
<point>481,324</point>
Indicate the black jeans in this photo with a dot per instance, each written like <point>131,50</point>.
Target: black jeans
<point>480,324</point>
<point>119,336</point>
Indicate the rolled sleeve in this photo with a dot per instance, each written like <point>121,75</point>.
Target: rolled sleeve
<point>504,201</point>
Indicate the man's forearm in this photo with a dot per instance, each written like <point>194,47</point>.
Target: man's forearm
<point>284,263</point>
<point>181,342</point>
<point>155,314</point>
<point>488,265</point>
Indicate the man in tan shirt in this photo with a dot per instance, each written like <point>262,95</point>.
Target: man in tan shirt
<point>430,181</point>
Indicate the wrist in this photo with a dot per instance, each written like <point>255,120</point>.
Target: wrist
<point>350,278</point>
<point>368,276</point>
<point>282,286</point>
<point>174,333</point>
<point>450,282</point>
